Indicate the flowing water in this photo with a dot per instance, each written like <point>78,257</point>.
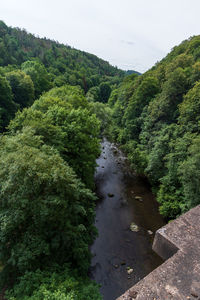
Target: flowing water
<point>117,248</point>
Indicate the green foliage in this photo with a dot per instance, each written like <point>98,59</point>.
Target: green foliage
<point>142,95</point>
<point>156,168</point>
<point>61,118</point>
<point>22,88</point>
<point>44,208</point>
<point>39,76</point>
<point>104,114</point>
<point>69,94</point>
<point>54,285</point>
<point>93,95</point>
<point>136,156</point>
<point>46,212</point>
<point>104,91</point>
<point>47,162</point>
<point>7,106</point>
<point>190,108</point>
<point>113,98</point>
<point>64,65</point>
<point>156,119</point>
<point>189,171</point>
<point>165,107</point>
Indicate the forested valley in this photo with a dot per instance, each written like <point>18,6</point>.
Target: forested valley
<point>56,103</point>
<point>51,118</point>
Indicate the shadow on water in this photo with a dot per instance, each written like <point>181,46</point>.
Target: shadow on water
<point>117,247</point>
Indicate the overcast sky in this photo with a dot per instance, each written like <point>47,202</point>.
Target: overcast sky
<point>131,34</point>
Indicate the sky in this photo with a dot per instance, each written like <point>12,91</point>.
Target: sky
<point>130,34</point>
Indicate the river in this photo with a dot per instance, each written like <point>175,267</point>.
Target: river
<point>117,249</point>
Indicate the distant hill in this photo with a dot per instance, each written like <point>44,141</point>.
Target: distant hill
<point>65,64</point>
<point>30,66</point>
<point>129,72</point>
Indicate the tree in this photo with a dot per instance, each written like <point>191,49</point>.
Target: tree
<point>60,118</point>
<point>142,96</point>
<point>190,108</point>
<point>46,214</point>
<point>93,95</point>
<point>39,76</point>
<point>105,91</point>
<point>104,114</point>
<point>190,174</point>
<point>22,88</point>
<point>7,106</point>
<point>55,284</point>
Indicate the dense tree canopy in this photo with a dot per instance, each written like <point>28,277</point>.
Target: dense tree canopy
<point>156,119</point>
<point>46,211</point>
<point>37,185</point>
<point>48,157</point>
<point>46,219</point>
<point>7,105</point>
<point>22,88</point>
<point>61,117</point>
<point>64,65</point>
<point>39,76</point>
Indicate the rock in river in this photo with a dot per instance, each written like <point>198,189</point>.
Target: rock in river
<point>150,232</point>
<point>138,198</point>
<point>134,227</point>
<point>110,195</point>
<point>129,271</point>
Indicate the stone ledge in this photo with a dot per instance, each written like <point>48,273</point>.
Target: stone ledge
<point>178,277</point>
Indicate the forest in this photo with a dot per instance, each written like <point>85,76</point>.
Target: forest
<point>157,122</point>
<point>30,66</point>
<point>56,103</point>
<point>51,124</point>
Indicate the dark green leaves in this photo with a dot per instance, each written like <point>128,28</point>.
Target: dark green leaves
<point>157,118</point>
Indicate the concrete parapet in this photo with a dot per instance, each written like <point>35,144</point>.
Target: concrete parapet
<point>179,276</point>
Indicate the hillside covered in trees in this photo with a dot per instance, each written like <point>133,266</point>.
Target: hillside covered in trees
<point>50,124</point>
<point>55,104</point>
<point>30,66</point>
<point>157,120</point>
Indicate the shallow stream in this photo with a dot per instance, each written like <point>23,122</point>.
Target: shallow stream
<point>125,199</point>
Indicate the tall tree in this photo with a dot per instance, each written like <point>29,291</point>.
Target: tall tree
<point>39,76</point>
<point>22,88</point>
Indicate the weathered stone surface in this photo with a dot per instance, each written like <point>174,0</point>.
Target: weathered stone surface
<point>179,276</point>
